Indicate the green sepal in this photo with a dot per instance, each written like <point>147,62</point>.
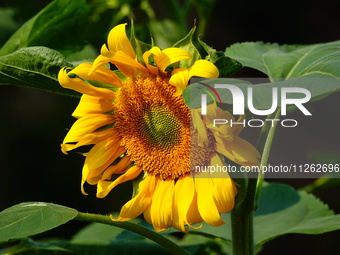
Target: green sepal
<point>187,44</point>
<point>226,65</point>
<point>139,46</point>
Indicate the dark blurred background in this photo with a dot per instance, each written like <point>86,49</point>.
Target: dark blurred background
<point>34,123</point>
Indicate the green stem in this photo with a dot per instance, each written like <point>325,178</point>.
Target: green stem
<point>242,214</point>
<point>242,232</point>
<point>157,238</point>
<point>264,144</point>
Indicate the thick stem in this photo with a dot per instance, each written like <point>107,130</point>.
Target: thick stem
<point>242,214</point>
<point>242,232</point>
<point>157,238</point>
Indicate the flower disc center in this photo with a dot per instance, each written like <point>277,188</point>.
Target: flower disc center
<point>161,127</point>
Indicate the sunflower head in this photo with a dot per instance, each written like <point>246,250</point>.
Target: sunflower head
<point>134,115</point>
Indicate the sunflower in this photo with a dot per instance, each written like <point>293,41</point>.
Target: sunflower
<point>136,119</point>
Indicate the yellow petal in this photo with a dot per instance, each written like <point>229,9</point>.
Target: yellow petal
<point>153,69</point>
<point>104,51</point>
<point>224,188</point>
<point>128,65</point>
<point>140,203</point>
<point>184,194</point>
<point>147,214</point>
<point>102,74</point>
<point>161,207</point>
<point>240,151</point>
<point>169,56</point>
<point>83,87</point>
<point>200,127</point>
<point>224,194</point>
<point>203,68</point>
<point>118,41</point>
<point>205,200</point>
<point>179,79</point>
<point>92,138</point>
<point>87,125</point>
<point>104,187</point>
<point>99,62</point>
<point>99,158</point>
<point>92,105</point>
<point>221,131</point>
<point>238,128</point>
<point>193,214</point>
<point>118,168</point>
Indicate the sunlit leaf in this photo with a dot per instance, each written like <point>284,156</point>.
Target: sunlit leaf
<point>288,61</point>
<point>34,67</point>
<point>29,219</point>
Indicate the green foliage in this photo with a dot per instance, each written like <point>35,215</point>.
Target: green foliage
<point>187,44</point>
<point>289,61</point>
<point>281,210</point>
<point>227,66</point>
<point>60,26</point>
<point>35,67</point>
<point>329,179</point>
<point>29,219</point>
<point>314,67</point>
<point>139,46</point>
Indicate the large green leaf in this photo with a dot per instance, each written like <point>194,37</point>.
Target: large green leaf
<point>262,91</point>
<point>61,25</point>
<point>288,61</point>
<point>58,247</point>
<point>282,210</point>
<point>312,67</point>
<point>35,67</point>
<point>29,219</point>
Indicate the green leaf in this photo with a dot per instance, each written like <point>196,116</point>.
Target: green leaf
<point>61,25</point>
<point>288,61</point>
<point>35,67</point>
<point>227,66</point>
<point>328,159</point>
<point>29,219</point>
<point>262,92</point>
<point>187,44</point>
<point>57,247</point>
<point>105,234</point>
<point>281,210</point>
